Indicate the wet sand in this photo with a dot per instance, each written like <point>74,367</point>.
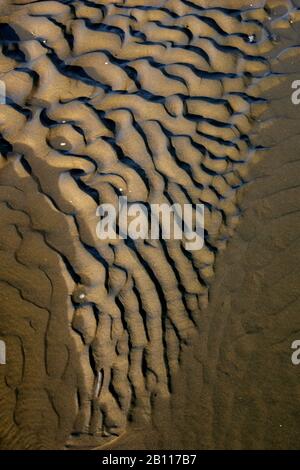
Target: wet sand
<point>144,345</point>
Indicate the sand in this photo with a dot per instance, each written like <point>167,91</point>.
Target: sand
<point>127,344</point>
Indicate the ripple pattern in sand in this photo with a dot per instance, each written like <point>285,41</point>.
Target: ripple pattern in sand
<point>152,100</point>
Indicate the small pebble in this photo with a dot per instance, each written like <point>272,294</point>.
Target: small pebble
<point>58,142</point>
<point>79,295</point>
